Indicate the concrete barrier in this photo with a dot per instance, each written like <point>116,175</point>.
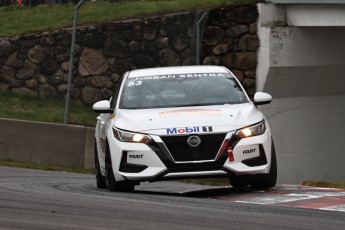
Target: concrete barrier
<point>301,63</point>
<point>46,143</point>
<point>308,136</point>
<point>293,124</point>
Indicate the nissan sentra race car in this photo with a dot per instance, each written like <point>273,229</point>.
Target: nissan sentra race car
<point>182,122</point>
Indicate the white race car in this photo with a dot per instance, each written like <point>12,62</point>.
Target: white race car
<point>182,122</point>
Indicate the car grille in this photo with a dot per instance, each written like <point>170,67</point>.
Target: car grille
<point>181,151</point>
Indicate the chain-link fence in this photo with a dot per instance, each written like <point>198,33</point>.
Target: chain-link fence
<point>34,67</point>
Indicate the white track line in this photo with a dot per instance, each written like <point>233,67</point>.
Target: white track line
<point>339,208</point>
<point>274,199</point>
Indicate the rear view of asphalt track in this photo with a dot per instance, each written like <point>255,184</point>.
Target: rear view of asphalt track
<point>34,199</point>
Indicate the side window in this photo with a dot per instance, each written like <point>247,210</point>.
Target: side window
<point>113,99</point>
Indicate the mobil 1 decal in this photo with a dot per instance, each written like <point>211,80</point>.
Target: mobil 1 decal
<point>188,130</point>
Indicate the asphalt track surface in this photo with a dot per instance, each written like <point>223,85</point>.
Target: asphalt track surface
<point>34,199</point>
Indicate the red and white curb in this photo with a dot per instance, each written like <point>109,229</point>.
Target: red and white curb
<point>297,196</point>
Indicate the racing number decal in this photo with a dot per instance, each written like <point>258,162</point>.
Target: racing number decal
<point>135,83</point>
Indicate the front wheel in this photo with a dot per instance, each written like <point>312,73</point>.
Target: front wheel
<point>269,180</point>
<point>112,184</point>
<point>121,186</point>
<point>100,179</point>
<point>238,181</point>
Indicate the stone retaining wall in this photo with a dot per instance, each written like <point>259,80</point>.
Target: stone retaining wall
<point>38,64</point>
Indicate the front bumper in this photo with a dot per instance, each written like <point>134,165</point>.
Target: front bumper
<point>153,162</point>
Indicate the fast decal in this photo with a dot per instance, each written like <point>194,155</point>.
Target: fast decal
<point>176,76</point>
<point>187,130</point>
<point>191,112</point>
<point>135,156</point>
<point>249,151</point>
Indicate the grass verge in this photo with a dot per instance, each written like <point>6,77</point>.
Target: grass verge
<point>324,184</point>
<point>35,108</point>
<point>212,182</point>
<point>15,164</point>
<point>17,20</point>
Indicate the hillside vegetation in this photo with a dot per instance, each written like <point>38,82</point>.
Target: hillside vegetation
<point>16,20</point>
<point>34,108</point>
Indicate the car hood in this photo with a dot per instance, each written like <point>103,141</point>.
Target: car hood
<point>187,120</point>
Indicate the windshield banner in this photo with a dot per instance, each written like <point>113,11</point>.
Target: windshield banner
<point>182,76</point>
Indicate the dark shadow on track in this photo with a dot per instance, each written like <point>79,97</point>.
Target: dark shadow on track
<point>196,193</point>
<point>217,192</point>
<point>203,193</point>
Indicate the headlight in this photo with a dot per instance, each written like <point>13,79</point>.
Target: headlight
<point>131,137</point>
<point>254,130</point>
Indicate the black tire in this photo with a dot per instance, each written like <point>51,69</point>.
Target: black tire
<point>238,181</point>
<point>100,179</point>
<point>266,181</point>
<point>112,184</point>
<point>122,186</point>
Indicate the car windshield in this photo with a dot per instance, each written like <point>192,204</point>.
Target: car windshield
<point>179,90</point>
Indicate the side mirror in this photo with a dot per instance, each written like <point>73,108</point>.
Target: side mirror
<point>261,98</point>
<point>102,107</point>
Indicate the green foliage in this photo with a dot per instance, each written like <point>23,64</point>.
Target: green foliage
<point>16,164</point>
<point>11,163</point>
<point>34,108</point>
<point>213,182</point>
<point>17,20</point>
<point>324,184</point>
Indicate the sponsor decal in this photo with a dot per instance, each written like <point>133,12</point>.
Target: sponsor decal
<point>178,76</point>
<point>191,112</point>
<point>249,151</point>
<point>187,130</point>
